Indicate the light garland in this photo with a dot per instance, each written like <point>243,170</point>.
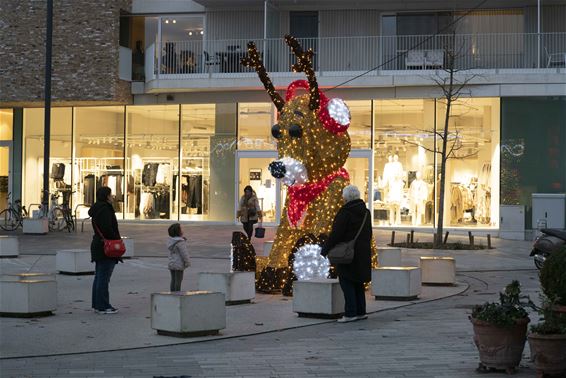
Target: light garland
<point>309,264</point>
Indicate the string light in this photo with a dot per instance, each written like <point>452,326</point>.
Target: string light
<point>309,264</point>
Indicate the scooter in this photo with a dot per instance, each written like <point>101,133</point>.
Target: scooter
<point>549,242</point>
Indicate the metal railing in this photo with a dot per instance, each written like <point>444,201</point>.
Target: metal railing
<point>346,54</point>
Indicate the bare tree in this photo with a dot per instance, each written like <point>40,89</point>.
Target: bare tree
<point>453,84</point>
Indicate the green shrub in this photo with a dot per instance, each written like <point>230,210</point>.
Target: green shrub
<point>509,309</point>
<point>553,277</point>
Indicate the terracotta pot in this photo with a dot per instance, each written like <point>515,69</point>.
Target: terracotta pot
<point>500,347</point>
<point>548,353</point>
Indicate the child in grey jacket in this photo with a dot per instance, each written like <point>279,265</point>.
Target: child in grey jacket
<point>178,255</point>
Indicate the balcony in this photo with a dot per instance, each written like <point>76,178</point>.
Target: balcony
<point>200,64</point>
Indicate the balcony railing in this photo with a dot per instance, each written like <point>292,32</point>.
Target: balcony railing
<point>346,54</point>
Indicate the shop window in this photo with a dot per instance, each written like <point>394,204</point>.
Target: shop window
<point>208,150</point>
<point>254,126</point>
<point>404,172</point>
<point>99,156</point>
<point>360,126</point>
<point>182,44</point>
<point>62,171</point>
<point>152,161</point>
<point>472,172</point>
<point>6,124</point>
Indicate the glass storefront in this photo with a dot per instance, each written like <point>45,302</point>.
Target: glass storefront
<point>186,162</point>
<point>6,131</point>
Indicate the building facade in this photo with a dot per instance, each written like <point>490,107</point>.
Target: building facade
<point>150,99</point>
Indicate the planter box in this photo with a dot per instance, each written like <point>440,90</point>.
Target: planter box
<point>320,298</point>
<point>438,270</point>
<point>36,226</point>
<point>186,314</point>
<point>388,256</point>
<point>267,245</point>
<point>396,283</point>
<point>9,246</point>
<point>548,352</point>
<point>27,298</point>
<point>129,243</point>
<point>238,287</point>
<point>74,261</point>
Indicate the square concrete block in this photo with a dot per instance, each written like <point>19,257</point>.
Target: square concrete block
<point>238,287</point>
<point>388,256</point>
<point>28,298</point>
<point>36,226</point>
<point>320,298</point>
<point>9,246</point>
<point>188,313</point>
<point>267,245</point>
<point>74,261</point>
<point>396,283</point>
<point>36,276</point>
<point>129,243</point>
<point>438,270</point>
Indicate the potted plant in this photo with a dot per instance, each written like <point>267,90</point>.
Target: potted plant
<point>500,330</point>
<point>547,339</point>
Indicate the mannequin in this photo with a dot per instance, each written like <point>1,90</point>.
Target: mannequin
<point>418,194</point>
<point>393,180</point>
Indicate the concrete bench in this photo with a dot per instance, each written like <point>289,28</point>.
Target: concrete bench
<point>318,298</point>
<point>388,256</point>
<point>267,245</point>
<point>396,283</point>
<point>74,261</point>
<point>438,270</point>
<point>186,313</point>
<point>36,276</point>
<point>36,226</point>
<point>9,246</point>
<point>238,287</point>
<point>129,243</point>
<point>28,298</point>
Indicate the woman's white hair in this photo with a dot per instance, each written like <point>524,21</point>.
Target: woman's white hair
<point>350,193</point>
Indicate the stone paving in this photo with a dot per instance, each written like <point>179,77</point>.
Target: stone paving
<point>424,339</point>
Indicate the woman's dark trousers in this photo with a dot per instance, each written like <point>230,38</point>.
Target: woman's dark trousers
<point>176,279</point>
<point>354,296</point>
<point>103,272</point>
<point>249,229</point>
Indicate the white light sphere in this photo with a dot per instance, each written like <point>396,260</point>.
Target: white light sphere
<point>339,111</point>
<point>309,264</point>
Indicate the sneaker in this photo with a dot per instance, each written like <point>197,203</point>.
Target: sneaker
<point>110,310</point>
<point>362,317</point>
<point>346,319</point>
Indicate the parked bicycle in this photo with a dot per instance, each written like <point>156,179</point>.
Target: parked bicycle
<point>60,217</point>
<point>12,217</point>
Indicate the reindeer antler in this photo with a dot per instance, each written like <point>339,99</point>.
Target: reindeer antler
<point>254,60</point>
<point>304,64</point>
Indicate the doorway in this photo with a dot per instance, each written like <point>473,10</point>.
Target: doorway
<point>304,27</point>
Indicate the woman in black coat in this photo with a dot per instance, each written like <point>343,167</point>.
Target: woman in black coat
<point>103,221</point>
<point>352,277</point>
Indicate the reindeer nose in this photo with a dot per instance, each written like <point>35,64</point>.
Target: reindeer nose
<point>277,169</point>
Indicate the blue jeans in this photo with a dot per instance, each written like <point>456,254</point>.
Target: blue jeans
<point>100,295</point>
<point>354,297</point>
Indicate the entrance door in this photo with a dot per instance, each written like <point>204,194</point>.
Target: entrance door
<point>252,169</point>
<point>5,173</point>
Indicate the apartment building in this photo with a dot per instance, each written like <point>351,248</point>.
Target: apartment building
<point>150,98</point>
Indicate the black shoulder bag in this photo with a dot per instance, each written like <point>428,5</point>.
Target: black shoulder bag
<point>343,253</point>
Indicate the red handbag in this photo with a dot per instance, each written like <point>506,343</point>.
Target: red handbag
<point>112,248</point>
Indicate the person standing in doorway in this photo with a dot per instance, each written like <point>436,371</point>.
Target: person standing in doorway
<point>352,218</point>
<point>178,255</point>
<point>103,222</point>
<point>249,211</point>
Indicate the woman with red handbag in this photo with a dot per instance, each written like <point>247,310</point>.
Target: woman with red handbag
<point>105,228</point>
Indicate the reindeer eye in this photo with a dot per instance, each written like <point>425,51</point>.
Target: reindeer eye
<point>295,131</point>
<point>276,131</point>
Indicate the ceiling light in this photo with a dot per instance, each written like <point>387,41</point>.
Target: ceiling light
<point>174,21</point>
<point>166,21</point>
<point>190,33</point>
<point>201,32</point>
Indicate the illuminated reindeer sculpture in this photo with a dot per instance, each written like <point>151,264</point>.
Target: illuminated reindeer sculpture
<point>313,145</point>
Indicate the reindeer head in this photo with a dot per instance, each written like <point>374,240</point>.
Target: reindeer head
<point>311,132</point>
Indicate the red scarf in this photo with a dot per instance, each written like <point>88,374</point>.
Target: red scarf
<point>300,196</point>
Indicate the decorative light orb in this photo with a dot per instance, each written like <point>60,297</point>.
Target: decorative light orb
<point>339,111</point>
<point>309,264</point>
<point>295,172</point>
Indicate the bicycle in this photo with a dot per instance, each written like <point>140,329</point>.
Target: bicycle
<point>60,217</point>
<point>12,217</point>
